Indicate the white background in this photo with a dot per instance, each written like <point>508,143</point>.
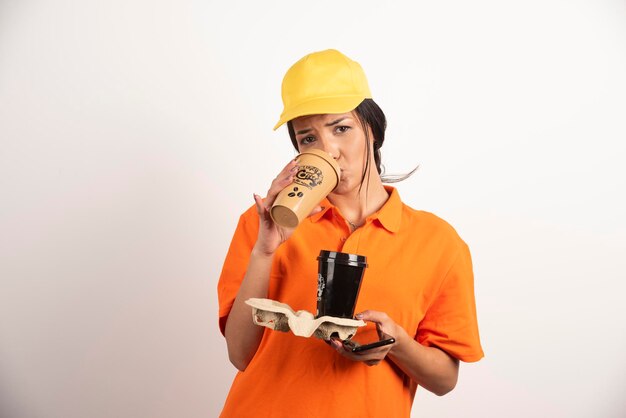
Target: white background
<point>133,133</point>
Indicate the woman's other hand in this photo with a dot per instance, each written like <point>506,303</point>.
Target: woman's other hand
<point>430,367</point>
<point>372,356</point>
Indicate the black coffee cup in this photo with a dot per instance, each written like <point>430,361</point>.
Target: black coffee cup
<point>338,283</point>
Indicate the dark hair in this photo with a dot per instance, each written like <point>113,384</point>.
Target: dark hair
<point>369,114</point>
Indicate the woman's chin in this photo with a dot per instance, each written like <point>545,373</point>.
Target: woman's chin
<point>343,188</point>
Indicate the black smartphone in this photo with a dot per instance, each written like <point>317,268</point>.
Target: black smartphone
<point>366,339</point>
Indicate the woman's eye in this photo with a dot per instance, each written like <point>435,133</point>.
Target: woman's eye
<point>342,129</point>
<point>306,140</point>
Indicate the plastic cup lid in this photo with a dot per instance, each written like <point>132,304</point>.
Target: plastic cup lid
<point>343,258</point>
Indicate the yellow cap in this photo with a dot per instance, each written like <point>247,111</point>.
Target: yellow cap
<point>322,82</point>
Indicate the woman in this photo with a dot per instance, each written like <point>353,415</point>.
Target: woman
<point>418,286</point>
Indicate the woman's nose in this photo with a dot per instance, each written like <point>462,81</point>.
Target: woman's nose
<point>329,146</point>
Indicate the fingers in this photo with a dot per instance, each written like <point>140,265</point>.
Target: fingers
<point>384,325</point>
<point>337,345</point>
<point>370,357</point>
<point>284,179</point>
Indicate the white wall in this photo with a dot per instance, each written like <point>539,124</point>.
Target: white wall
<point>130,133</point>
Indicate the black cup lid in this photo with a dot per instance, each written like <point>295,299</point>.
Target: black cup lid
<point>343,258</point>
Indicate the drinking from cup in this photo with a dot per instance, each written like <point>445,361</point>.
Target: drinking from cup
<point>318,174</point>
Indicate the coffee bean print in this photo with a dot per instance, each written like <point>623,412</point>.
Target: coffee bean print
<point>300,194</point>
<point>291,194</point>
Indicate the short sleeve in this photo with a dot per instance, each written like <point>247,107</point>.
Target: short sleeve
<point>236,263</point>
<point>450,323</point>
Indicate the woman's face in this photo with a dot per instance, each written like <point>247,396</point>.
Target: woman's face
<point>340,135</point>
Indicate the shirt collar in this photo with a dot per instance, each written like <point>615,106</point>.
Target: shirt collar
<point>389,215</point>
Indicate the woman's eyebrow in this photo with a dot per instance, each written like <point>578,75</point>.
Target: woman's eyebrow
<point>304,131</point>
<point>335,122</point>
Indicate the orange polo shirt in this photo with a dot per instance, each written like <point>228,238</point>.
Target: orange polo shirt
<point>419,273</point>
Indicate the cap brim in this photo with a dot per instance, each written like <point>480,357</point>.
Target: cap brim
<point>321,106</point>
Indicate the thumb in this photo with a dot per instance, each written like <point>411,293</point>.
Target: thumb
<point>373,316</point>
<point>260,205</point>
<point>383,322</point>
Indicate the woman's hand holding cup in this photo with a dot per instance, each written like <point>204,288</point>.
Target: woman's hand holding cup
<point>271,235</point>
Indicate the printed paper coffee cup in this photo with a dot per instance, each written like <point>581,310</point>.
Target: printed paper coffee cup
<point>318,174</point>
